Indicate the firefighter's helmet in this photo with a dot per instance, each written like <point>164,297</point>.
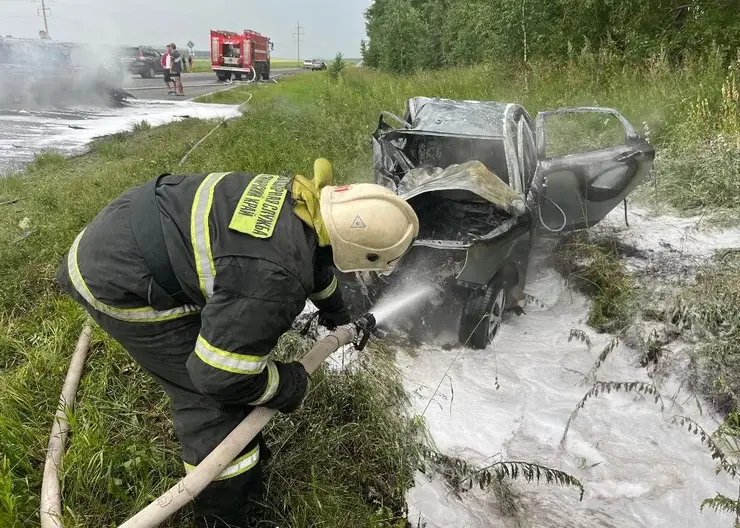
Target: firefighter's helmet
<point>369,226</point>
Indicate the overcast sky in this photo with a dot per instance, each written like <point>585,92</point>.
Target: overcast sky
<point>328,26</point>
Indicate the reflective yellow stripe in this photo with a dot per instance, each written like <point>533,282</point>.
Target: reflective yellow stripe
<point>144,314</point>
<point>228,361</point>
<point>241,465</point>
<point>273,381</point>
<point>200,233</point>
<point>326,292</point>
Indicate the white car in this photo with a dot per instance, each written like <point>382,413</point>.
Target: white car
<point>314,64</point>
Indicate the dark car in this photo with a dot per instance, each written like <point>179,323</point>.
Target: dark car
<point>484,183</point>
<point>142,60</point>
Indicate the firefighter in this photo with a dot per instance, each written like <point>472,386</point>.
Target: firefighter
<point>198,276</point>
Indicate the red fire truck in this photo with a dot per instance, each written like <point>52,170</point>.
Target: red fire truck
<point>241,55</point>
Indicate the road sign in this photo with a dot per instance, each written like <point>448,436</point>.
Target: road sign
<point>190,44</point>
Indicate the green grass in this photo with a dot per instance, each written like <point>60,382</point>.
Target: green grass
<point>123,452</point>
<point>593,267</point>
<point>353,436</point>
<point>697,168</point>
<point>706,313</point>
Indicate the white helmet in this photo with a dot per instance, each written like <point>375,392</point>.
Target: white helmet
<point>369,226</point>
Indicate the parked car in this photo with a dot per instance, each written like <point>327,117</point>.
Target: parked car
<point>142,60</point>
<point>483,183</point>
<point>314,64</point>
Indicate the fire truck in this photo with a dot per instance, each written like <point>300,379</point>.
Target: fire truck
<point>241,55</point>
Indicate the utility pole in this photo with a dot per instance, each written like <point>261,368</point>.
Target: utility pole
<point>297,36</point>
<point>43,10</point>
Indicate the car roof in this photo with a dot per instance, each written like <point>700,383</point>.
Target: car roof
<point>458,117</point>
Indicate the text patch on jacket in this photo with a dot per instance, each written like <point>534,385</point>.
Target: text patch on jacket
<point>259,207</point>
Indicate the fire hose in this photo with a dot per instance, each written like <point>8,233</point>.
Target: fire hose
<point>356,333</point>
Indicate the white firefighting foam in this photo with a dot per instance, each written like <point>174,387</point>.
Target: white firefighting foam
<point>23,134</point>
<point>638,469</point>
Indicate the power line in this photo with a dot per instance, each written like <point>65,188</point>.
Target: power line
<point>297,36</point>
<point>46,23</point>
<point>42,11</point>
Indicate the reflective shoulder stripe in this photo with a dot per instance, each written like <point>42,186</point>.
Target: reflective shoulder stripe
<point>273,381</point>
<point>145,314</point>
<point>200,233</point>
<point>326,292</point>
<point>241,465</point>
<point>228,361</point>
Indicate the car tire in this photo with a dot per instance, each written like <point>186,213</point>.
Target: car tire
<point>266,74</point>
<point>482,314</point>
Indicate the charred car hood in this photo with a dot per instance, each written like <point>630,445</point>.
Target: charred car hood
<point>471,176</point>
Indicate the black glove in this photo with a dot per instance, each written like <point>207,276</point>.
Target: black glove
<point>330,320</point>
<point>301,382</point>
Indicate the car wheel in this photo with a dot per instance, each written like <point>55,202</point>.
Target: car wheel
<point>482,314</point>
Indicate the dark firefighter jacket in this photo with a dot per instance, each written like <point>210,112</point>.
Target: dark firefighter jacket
<point>239,252</point>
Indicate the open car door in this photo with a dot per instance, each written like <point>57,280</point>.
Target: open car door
<point>585,171</point>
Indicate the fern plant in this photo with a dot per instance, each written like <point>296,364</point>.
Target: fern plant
<point>722,504</point>
<point>608,349</point>
<point>600,387</point>
<point>462,476</point>
<point>728,432</point>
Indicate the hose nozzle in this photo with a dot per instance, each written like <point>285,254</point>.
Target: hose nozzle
<point>363,325</point>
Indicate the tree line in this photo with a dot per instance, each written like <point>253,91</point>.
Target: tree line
<point>407,35</point>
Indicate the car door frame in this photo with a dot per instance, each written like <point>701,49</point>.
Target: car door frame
<point>570,193</point>
<point>157,58</point>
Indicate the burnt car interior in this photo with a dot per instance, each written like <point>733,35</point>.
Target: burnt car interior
<point>441,151</point>
<point>408,151</point>
<point>455,215</point>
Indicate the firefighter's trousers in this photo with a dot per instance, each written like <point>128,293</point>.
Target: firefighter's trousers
<point>162,349</point>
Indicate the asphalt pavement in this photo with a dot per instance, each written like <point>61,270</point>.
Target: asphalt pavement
<point>194,84</point>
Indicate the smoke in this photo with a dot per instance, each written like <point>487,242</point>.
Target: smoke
<point>36,74</point>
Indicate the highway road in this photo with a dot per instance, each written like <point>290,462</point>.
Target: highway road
<point>194,85</point>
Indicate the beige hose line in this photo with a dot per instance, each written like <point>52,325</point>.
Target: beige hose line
<point>193,483</point>
<point>189,487</point>
<point>51,495</point>
<point>220,124</point>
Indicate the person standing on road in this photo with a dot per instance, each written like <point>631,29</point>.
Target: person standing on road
<point>166,68</point>
<point>198,276</point>
<point>176,70</point>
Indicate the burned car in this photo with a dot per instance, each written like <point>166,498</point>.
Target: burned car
<point>47,73</point>
<point>484,183</point>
